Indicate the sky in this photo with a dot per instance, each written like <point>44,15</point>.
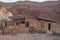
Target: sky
<point>22,0</point>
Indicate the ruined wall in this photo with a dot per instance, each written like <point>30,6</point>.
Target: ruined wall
<point>46,26</point>
<point>35,23</point>
<point>53,26</point>
<point>22,28</point>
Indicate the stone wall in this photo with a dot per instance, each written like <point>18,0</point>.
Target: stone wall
<point>37,24</point>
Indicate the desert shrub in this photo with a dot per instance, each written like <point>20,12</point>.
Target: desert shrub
<point>57,33</point>
<point>42,31</point>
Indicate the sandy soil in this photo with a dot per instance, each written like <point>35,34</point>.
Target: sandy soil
<point>29,37</point>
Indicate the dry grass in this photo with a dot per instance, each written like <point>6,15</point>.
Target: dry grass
<point>25,36</point>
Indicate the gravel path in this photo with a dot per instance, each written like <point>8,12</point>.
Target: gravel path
<point>29,37</point>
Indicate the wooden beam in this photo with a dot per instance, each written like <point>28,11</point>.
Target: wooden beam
<point>45,20</point>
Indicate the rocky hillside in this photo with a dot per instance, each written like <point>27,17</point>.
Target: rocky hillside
<point>45,10</point>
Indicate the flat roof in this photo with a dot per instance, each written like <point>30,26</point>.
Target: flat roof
<point>45,20</point>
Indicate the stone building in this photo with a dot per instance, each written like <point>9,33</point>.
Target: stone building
<point>24,23</point>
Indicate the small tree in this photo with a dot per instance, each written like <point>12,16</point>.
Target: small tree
<point>3,18</point>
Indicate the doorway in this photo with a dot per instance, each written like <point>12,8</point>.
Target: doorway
<point>49,26</point>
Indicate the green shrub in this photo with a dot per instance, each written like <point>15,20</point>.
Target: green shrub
<point>42,31</point>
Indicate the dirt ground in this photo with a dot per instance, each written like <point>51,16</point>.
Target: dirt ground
<point>25,36</point>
